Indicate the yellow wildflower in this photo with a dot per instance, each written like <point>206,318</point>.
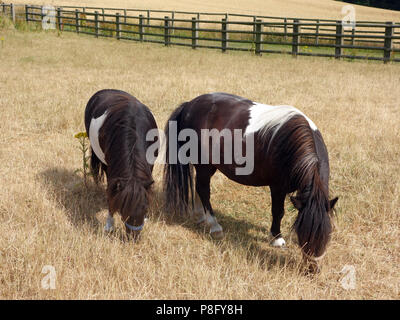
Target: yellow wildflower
<point>80,135</point>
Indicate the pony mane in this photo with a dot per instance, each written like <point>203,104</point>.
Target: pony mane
<point>313,225</point>
<point>128,173</point>
<point>295,152</point>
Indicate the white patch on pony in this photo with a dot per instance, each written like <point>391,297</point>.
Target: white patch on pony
<point>277,242</point>
<point>212,222</point>
<point>94,128</point>
<point>280,242</point>
<point>109,227</point>
<point>265,117</point>
<point>204,217</point>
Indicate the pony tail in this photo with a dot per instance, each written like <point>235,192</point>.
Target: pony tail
<point>313,224</point>
<point>178,181</point>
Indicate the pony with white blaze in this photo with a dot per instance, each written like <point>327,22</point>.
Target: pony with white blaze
<point>289,156</point>
<point>117,124</point>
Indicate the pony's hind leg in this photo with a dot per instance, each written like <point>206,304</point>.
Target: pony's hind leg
<point>278,210</point>
<point>203,177</point>
<point>198,214</point>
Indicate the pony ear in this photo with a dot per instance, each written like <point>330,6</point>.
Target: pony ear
<point>333,202</point>
<point>296,202</point>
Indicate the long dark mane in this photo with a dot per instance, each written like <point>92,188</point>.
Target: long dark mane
<point>129,175</point>
<point>295,149</point>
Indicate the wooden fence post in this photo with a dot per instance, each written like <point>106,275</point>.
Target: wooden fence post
<point>339,40</point>
<point>166,30</point>
<point>148,17</point>
<point>224,35</point>
<point>195,33</point>
<point>41,14</point>
<point>295,37</point>
<point>254,28</point>
<point>141,19</point>
<point>285,28</point>
<point>317,32</point>
<point>26,13</point>
<point>12,9</point>
<point>77,20</point>
<point>258,27</point>
<point>102,12</point>
<point>388,42</point>
<point>353,33</point>
<point>117,26</point>
<point>59,20</point>
<point>172,21</point>
<point>96,23</point>
<point>124,15</point>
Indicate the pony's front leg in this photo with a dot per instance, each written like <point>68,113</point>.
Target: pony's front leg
<point>109,227</point>
<point>278,210</point>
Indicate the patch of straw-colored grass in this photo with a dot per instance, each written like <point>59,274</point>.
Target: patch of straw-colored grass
<point>48,217</point>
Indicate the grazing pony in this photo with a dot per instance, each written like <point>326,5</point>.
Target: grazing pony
<point>288,154</point>
<point>117,124</point>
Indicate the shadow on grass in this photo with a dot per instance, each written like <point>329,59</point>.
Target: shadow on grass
<point>255,240</point>
<point>79,203</point>
<point>238,233</point>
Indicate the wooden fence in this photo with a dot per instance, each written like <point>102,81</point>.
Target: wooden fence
<point>258,34</point>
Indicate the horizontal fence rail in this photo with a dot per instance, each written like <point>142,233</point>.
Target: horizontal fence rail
<point>258,34</point>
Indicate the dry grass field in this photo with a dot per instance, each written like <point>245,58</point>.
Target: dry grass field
<point>48,217</point>
<point>328,9</point>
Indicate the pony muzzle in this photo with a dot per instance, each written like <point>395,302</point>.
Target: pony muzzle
<point>312,258</point>
<point>314,265</point>
<point>134,230</point>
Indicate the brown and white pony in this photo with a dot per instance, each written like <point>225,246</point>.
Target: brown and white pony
<point>289,155</point>
<point>117,124</point>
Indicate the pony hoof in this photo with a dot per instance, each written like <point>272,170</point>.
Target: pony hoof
<point>201,223</point>
<point>278,243</point>
<point>134,236</point>
<point>108,229</point>
<point>217,235</point>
